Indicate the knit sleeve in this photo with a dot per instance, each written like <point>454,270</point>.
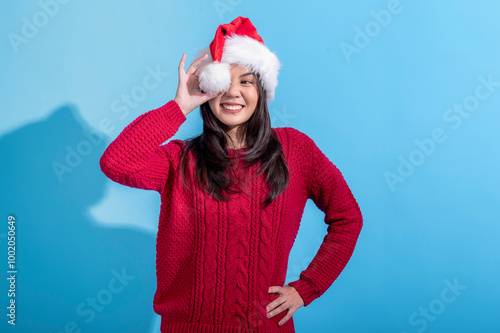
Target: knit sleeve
<point>329,191</point>
<point>135,158</point>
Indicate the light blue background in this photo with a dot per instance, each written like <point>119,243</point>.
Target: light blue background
<point>439,226</point>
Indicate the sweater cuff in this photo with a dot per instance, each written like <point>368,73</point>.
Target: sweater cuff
<point>173,113</point>
<point>305,291</point>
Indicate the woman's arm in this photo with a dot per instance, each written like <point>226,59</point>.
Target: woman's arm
<point>329,191</point>
<point>135,158</point>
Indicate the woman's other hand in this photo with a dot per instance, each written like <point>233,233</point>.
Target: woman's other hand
<point>289,298</point>
<point>189,95</point>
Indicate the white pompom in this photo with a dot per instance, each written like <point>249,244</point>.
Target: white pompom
<point>215,78</point>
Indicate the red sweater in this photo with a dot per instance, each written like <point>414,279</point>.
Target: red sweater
<point>215,261</point>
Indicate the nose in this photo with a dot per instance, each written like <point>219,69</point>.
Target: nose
<point>233,91</point>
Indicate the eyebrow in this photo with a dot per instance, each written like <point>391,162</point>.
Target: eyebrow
<point>249,73</point>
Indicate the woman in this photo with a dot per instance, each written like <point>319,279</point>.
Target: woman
<point>232,198</point>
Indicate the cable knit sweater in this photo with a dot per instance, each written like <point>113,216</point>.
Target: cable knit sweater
<point>215,261</point>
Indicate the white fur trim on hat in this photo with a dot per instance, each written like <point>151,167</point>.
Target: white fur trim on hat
<point>215,78</point>
<point>246,52</point>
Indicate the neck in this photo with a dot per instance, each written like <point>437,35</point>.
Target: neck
<point>236,140</point>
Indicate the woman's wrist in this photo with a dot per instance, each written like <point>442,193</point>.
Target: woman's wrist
<point>181,107</point>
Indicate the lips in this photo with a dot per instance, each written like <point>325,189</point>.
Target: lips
<point>232,107</point>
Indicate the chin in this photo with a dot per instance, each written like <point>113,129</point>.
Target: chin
<point>232,122</point>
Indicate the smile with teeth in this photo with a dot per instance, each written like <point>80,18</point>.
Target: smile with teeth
<point>232,107</point>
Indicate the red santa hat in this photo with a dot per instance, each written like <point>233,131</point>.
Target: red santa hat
<point>238,43</point>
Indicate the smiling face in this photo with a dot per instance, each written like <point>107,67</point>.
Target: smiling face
<point>235,106</point>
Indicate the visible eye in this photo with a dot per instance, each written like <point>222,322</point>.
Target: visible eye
<point>247,81</point>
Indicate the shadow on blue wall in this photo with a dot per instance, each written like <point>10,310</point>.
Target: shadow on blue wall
<point>72,274</point>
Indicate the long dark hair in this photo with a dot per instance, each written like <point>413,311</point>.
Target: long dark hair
<point>212,160</point>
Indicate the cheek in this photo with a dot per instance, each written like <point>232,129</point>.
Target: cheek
<point>254,97</point>
<point>213,104</point>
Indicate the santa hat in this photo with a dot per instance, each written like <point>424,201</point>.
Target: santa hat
<point>238,43</point>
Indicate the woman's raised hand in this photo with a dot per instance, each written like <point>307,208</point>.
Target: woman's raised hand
<point>189,95</point>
